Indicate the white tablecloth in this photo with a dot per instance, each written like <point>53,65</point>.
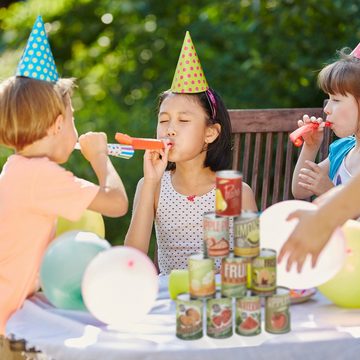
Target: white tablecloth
<point>320,330</point>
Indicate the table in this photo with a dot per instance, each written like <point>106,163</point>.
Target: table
<point>320,330</point>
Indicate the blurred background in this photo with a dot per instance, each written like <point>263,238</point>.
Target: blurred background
<point>256,54</point>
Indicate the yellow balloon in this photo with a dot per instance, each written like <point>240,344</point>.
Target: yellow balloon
<point>90,221</point>
<point>344,288</point>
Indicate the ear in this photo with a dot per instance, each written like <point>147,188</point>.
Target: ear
<point>57,126</point>
<point>212,133</point>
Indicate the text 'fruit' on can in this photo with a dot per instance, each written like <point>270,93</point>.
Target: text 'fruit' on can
<point>189,324</point>
<point>248,316</point>
<point>277,311</point>
<point>263,268</point>
<point>228,193</point>
<point>216,235</point>
<point>201,276</point>
<point>234,276</point>
<point>219,317</point>
<point>247,234</point>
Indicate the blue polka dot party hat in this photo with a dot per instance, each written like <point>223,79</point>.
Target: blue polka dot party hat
<point>37,61</point>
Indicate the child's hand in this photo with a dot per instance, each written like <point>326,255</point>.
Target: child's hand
<point>155,162</point>
<point>93,145</point>
<point>315,137</point>
<point>315,178</point>
<point>309,237</point>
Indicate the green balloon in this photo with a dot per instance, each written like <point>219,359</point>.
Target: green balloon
<point>64,264</point>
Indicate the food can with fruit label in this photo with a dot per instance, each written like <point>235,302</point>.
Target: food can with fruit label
<point>263,273</point>
<point>189,324</point>
<point>216,235</point>
<point>246,234</point>
<point>248,316</point>
<point>219,317</point>
<point>233,276</point>
<point>228,193</point>
<point>277,311</point>
<point>201,276</point>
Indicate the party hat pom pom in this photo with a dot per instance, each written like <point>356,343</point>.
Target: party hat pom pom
<point>37,61</point>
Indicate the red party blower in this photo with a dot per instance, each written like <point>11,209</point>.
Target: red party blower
<point>139,143</point>
<point>297,136</point>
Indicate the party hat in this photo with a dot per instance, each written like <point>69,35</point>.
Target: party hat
<point>37,61</point>
<point>356,51</point>
<point>189,76</point>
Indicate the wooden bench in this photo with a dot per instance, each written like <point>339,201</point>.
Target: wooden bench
<point>263,152</point>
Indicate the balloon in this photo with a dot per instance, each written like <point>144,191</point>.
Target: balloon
<point>64,264</point>
<point>90,221</point>
<point>178,282</point>
<point>275,230</point>
<point>344,288</point>
<point>120,286</point>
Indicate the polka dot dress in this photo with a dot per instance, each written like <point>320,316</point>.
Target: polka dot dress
<point>37,61</point>
<point>179,225</point>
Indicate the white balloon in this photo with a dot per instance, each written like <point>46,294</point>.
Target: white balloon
<point>275,230</point>
<point>120,285</point>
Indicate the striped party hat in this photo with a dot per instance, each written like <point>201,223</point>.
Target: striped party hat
<point>189,76</point>
<point>37,61</point>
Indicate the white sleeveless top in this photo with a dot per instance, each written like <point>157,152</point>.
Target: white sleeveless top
<point>179,225</point>
<point>342,176</point>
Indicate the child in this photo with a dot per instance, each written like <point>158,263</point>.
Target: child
<point>36,119</point>
<point>194,121</point>
<point>340,81</point>
<point>316,226</point>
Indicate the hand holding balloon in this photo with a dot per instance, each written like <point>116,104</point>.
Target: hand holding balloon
<point>297,136</point>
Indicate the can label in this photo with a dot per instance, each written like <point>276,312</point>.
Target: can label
<point>216,235</point>
<point>189,325</point>
<point>228,193</point>
<point>219,317</point>
<point>233,277</point>
<point>263,277</point>
<point>277,312</point>
<point>201,276</point>
<point>248,316</point>
<point>246,235</point>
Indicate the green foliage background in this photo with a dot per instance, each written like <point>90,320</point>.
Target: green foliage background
<point>257,54</point>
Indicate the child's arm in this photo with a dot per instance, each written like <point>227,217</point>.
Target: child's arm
<point>111,200</point>
<point>248,198</point>
<point>147,192</point>
<point>315,227</point>
<point>312,142</point>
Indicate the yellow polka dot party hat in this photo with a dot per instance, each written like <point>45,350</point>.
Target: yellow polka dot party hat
<point>189,76</point>
<point>37,61</point>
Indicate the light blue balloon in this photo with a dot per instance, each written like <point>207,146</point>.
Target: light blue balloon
<point>64,264</point>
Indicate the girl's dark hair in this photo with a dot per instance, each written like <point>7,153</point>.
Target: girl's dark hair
<point>342,76</point>
<point>218,153</point>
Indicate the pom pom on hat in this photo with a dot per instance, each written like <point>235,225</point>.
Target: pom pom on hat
<point>37,61</point>
<point>189,76</point>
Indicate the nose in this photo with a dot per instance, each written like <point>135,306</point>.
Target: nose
<point>327,108</point>
<point>171,131</point>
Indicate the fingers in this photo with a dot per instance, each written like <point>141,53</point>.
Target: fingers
<point>313,166</point>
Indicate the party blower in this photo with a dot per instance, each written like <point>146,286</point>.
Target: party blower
<point>121,151</point>
<point>297,136</point>
<point>139,143</point>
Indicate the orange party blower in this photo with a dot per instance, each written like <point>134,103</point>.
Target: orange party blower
<point>297,136</point>
<point>139,143</point>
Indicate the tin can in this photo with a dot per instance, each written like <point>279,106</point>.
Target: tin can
<point>201,276</point>
<point>263,273</point>
<point>233,276</point>
<point>277,311</point>
<point>246,234</point>
<point>189,324</point>
<point>228,193</point>
<point>248,316</point>
<point>216,235</point>
<point>219,317</point>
